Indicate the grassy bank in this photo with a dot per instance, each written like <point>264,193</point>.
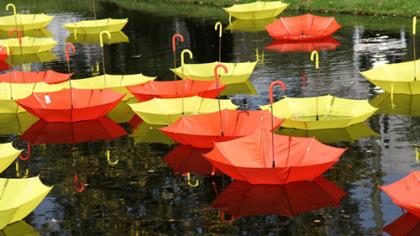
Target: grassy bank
<point>359,7</point>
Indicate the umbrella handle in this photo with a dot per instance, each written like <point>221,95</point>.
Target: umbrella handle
<point>75,33</point>
<point>315,56</point>
<point>26,157</point>
<point>278,82</point>
<point>101,38</point>
<point>18,34</point>
<point>11,5</point>
<point>18,171</point>
<point>190,183</point>
<point>174,37</point>
<point>79,186</point>
<point>222,216</point>
<point>185,51</point>
<point>216,70</point>
<point>414,25</point>
<point>73,49</point>
<point>219,26</point>
<point>108,158</point>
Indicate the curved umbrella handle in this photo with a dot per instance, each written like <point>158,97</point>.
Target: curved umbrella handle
<point>79,186</point>
<point>26,157</point>
<point>101,37</point>
<point>174,37</point>
<point>414,25</point>
<point>18,174</point>
<point>75,33</point>
<point>315,56</point>
<point>222,216</point>
<point>11,5</point>
<point>73,49</point>
<point>190,183</point>
<point>216,71</point>
<point>108,158</point>
<point>219,26</point>
<point>278,82</point>
<point>18,34</point>
<point>185,51</point>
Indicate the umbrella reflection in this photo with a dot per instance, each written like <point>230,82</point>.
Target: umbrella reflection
<point>20,228</point>
<point>146,133</point>
<point>326,44</point>
<point>241,199</point>
<point>116,37</point>
<point>36,33</point>
<point>16,59</point>
<point>16,123</point>
<point>122,113</point>
<point>249,25</point>
<point>406,224</point>
<point>241,88</point>
<point>397,104</point>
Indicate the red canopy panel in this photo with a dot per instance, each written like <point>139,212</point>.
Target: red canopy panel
<point>49,77</point>
<point>405,225</point>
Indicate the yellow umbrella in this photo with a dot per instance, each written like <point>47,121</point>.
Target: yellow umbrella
<point>23,21</point>
<point>20,228</point>
<point>17,123</point>
<point>37,33</point>
<point>29,45</point>
<point>19,197</point>
<point>397,104</point>
<point>348,134</point>
<point>96,26</point>
<point>249,25</point>
<point>16,59</point>
<point>241,88</point>
<point>7,155</point>
<point>116,37</point>
<point>122,113</point>
<point>146,133</point>
<point>256,10</point>
<point>166,111</point>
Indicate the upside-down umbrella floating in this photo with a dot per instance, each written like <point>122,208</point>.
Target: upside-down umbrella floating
<point>302,28</point>
<point>48,76</point>
<point>7,155</point>
<point>19,198</point>
<point>405,192</point>
<point>96,26</point>
<point>405,225</point>
<point>256,10</point>
<point>116,37</point>
<point>43,132</point>
<point>28,45</point>
<point>241,199</point>
<point>397,104</point>
<point>325,44</point>
<point>251,158</point>
<point>23,22</point>
<point>20,228</point>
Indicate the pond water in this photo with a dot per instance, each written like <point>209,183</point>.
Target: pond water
<point>141,195</point>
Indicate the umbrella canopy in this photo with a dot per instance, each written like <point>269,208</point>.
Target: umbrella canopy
<point>4,66</point>
<point>249,25</point>
<point>48,76</point>
<point>324,112</point>
<point>348,134</point>
<point>184,159</point>
<point>396,78</point>
<point>237,72</point>
<point>176,89</point>
<point>20,228</point>
<point>241,199</point>
<point>302,28</point>
<point>19,197</point>
<point>16,123</point>
<point>7,155</point>
<point>36,33</point>
<point>146,133</point>
<point>251,158</point>
<point>240,88</point>
<point>116,37</point>
<point>325,44</point>
<point>160,111</point>
<point>43,132</point>
<point>28,45</point>
<point>405,192</point>
<point>122,113</point>
<point>397,104</point>
<point>96,26</point>
<point>3,57</point>
<point>256,10</point>
<point>24,22</point>
<point>202,131</point>
<point>71,105</point>
<point>406,225</point>
<point>17,59</point>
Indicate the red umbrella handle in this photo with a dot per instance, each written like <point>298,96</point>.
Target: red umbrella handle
<point>216,70</point>
<point>278,82</point>
<point>18,33</point>
<point>79,186</point>
<point>26,157</point>
<point>223,217</point>
<point>174,37</point>
<point>73,49</point>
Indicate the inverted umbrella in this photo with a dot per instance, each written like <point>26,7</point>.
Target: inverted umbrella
<point>35,33</point>
<point>146,133</point>
<point>302,28</point>
<point>399,104</point>
<point>48,76</point>
<point>17,59</point>
<point>256,10</point>
<point>116,37</point>
<point>29,45</point>
<point>19,197</point>
<point>96,26</point>
<point>241,199</point>
<point>17,123</point>
<point>405,225</point>
<point>23,21</point>
<point>405,192</point>
<point>240,88</point>
<point>20,228</point>
<point>325,44</point>
<point>7,155</point>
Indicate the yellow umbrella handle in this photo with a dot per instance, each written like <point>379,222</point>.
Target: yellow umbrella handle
<point>315,56</point>
<point>75,33</point>
<point>219,26</point>
<point>108,158</point>
<point>11,5</point>
<point>185,51</point>
<point>18,171</point>
<point>101,38</point>
<point>414,25</point>
<point>190,183</point>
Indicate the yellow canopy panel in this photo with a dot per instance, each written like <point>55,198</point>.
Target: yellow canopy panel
<point>166,111</point>
<point>96,26</point>
<point>20,228</point>
<point>16,59</point>
<point>324,112</point>
<point>7,155</point>
<point>396,78</point>
<point>19,197</point>
<point>16,123</point>
<point>256,10</point>
<point>241,88</point>
<point>397,104</point>
<point>37,33</point>
<point>146,133</point>
<point>237,72</point>
<point>116,37</point>
<point>122,113</point>
<point>29,45</point>
<point>24,21</point>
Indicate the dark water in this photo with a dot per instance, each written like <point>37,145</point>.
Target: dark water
<point>142,196</point>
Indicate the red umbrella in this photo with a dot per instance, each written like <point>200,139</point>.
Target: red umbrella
<point>202,131</point>
<point>302,28</point>
<point>250,158</point>
<point>43,132</point>
<point>176,89</point>
<point>3,57</point>
<point>326,44</point>
<point>241,199</point>
<point>405,192</point>
<point>71,105</point>
<point>184,159</point>
<point>405,225</point>
<point>49,77</point>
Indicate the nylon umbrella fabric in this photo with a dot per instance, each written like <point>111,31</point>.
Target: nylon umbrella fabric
<point>176,89</point>
<point>256,10</point>
<point>202,131</point>
<point>29,45</point>
<point>302,28</point>
<point>20,228</point>
<point>71,105</point>
<point>405,192</point>
<point>8,154</point>
<point>325,44</point>
<point>24,22</point>
<point>16,123</point>
<point>96,26</point>
<point>44,132</point>
<point>397,104</point>
<point>241,199</point>
<point>48,76</point>
<point>250,158</point>
<point>16,59</point>
<point>405,225</point>
<point>3,58</point>
<point>116,37</point>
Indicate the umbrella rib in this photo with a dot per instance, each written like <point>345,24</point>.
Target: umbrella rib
<point>243,200</point>
<point>331,21</point>
<point>285,26</point>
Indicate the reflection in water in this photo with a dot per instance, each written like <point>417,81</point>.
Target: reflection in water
<point>325,44</point>
<point>398,104</point>
<point>16,124</point>
<point>405,225</point>
<point>146,133</point>
<point>37,33</point>
<point>16,59</point>
<point>249,25</point>
<point>116,37</point>
<point>20,228</point>
<point>241,88</point>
